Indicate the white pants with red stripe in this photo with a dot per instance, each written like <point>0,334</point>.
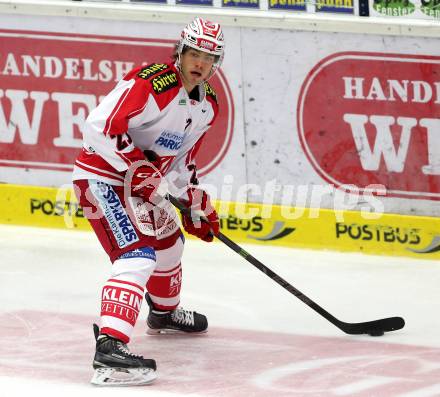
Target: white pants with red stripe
<point>159,271</point>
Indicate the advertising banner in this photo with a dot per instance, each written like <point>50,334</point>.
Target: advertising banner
<point>382,125</point>
<point>195,2</point>
<point>241,3</point>
<point>350,231</point>
<point>342,126</point>
<point>150,1</point>
<point>420,9</point>
<point>296,5</point>
<point>338,6</point>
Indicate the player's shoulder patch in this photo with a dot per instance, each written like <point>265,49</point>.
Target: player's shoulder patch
<point>210,92</point>
<point>161,77</point>
<point>151,70</point>
<point>164,81</point>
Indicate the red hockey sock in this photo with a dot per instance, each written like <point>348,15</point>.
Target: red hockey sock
<point>164,288</point>
<point>120,305</point>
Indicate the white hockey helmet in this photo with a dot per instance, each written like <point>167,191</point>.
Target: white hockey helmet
<point>204,36</point>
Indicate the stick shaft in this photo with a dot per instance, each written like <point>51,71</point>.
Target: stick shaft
<point>387,324</point>
<point>277,278</point>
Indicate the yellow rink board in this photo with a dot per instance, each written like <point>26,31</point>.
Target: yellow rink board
<point>387,234</point>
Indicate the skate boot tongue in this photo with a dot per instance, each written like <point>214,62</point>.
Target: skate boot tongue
<point>184,317</point>
<point>123,348</point>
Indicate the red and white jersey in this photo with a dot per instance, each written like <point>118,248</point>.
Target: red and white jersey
<point>149,109</point>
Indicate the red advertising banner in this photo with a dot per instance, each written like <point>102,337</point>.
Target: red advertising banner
<point>373,119</point>
<point>49,82</point>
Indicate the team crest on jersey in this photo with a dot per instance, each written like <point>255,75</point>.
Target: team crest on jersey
<point>151,70</point>
<point>210,92</point>
<point>164,82</point>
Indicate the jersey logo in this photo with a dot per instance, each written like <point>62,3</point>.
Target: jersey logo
<point>164,82</point>
<point>170,140</point>
<point>151,70</point>
<point>210,92</point>
<point>115,214</point>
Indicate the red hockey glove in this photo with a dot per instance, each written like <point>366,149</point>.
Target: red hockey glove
<point>146,178</point>
<point>201,220</point>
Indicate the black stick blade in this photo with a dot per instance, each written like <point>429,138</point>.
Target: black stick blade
<point>373,327</point>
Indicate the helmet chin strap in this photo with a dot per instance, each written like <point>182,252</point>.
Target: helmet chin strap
<point>178,60</point>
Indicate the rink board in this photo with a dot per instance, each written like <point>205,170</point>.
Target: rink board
<point>320,116</point>
<point>387,234</point>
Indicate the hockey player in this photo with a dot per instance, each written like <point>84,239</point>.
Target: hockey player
<point>144,133</point>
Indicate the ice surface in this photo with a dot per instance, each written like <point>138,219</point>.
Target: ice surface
<point>262,340</point>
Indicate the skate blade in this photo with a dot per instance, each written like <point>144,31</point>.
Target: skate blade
<point>167,331</point>
<point>123,376</point>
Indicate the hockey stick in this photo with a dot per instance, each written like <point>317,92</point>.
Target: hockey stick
<point>373,328</point>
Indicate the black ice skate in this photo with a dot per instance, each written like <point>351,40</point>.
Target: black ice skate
<point>115,366</point>
<point>178,321</point>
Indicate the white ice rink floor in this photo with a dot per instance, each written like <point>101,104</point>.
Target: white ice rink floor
<point>262,341</point>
